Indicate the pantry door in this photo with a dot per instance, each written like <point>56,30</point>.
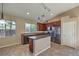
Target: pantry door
<point>69,33</point>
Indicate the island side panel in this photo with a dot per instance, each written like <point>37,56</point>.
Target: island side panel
<point>41,45</point>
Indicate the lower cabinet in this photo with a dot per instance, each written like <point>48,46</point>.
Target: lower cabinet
<point>24,39</point>
<point>31,45</point>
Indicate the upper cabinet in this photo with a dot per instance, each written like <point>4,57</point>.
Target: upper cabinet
<point>41,26</point>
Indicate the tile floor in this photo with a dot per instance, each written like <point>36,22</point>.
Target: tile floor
<point>55,50</point>
<point>58,50</point>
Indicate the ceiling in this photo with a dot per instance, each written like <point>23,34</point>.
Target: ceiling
<point>36,10</point>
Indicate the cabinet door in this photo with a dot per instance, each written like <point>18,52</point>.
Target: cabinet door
<point>69,33</point>
<point>31,45</point>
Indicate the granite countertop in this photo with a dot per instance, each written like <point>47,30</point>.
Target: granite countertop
<point>35,33</point>
<point>38,37</point>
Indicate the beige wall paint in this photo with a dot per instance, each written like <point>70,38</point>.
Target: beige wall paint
<point>8,41</point>
<point>54,19</point>
<point>71,13</point>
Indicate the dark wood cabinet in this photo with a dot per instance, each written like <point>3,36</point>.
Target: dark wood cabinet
<point>31,45</point>
<point>41,26</point>
<point>24,39</point>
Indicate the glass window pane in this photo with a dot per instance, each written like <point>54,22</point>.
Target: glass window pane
<point>2,28</point>
<point>13,22</point>
<point>2,24</point>
<point>8,24</point>
<point>13,27</point>
<point>27,27</point>
<point>30,27</point>
<point>10,28</point>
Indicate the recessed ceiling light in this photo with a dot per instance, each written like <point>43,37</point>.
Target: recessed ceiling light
<point>51,14</point>
<point>28,13</point>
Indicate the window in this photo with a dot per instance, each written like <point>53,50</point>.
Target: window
<point>7,28</point>
<point>30,27</point>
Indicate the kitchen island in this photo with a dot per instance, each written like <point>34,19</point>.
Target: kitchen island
<point>25,35</point>
<point>38,44</point>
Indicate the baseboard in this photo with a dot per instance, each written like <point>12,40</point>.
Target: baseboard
<point>9,45</point>
<point>41,51</point>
